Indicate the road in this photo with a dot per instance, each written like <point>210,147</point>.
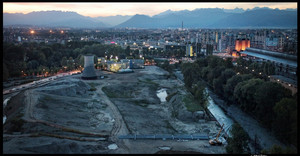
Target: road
<point>36,83</point>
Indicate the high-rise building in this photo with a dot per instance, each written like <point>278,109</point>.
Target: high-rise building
<point>217,38</point>
<point>189,50</point>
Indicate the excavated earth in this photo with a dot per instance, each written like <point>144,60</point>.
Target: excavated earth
<point>72,115</point>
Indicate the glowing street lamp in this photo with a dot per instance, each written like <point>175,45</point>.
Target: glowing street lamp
<point>62,31</point>
<point>32,32</point>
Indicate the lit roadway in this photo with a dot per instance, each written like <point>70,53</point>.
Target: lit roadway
<point>36,83</point>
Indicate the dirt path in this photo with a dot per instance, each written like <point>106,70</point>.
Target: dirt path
<point>119,127</point>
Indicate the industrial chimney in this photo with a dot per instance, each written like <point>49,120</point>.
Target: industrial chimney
<point>89,69</point>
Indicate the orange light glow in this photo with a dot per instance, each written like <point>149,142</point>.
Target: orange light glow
<point>62,31</point>
<point>32,32</point>
<point>242,44</point>
<point>50,31</point>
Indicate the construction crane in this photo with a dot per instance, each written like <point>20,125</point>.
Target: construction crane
<point>215,141</point>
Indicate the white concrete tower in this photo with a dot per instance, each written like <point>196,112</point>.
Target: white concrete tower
<point>89,69</point>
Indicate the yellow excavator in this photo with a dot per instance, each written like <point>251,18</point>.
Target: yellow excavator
<point>215,141</point>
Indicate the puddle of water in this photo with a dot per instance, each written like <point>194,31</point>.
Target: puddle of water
<point>112,146</point>
<point>4,119</point>
<point>162,94</point>
<point>165,148</point>
<point>5,102</point>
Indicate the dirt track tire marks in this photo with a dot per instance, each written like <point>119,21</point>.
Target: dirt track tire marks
<point>119,127</point>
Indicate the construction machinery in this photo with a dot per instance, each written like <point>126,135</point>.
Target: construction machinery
<point>215,141</point>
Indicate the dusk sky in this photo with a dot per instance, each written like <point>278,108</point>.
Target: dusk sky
<point>111,9</point>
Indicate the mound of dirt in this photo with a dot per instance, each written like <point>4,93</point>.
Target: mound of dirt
<point>69,87</point>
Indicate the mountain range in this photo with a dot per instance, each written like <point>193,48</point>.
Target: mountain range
<point>198,18</point>
<point>52,19</point>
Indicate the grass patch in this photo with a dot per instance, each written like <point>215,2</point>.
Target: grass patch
<point>93,88</point>
<point>116,94</point>
<point>190,103</point>
<point>142,102</point>
<point>148,81</point>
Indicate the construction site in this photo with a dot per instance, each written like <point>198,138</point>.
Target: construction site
<point>141,112</point>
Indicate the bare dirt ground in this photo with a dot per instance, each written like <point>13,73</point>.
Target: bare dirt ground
<point>87,116</point>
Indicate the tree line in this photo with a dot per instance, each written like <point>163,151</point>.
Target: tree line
<point>33,58</point>
<point>269,103</point>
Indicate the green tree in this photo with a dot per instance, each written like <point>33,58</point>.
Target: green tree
<point>64,61</point>
<point>200,94</point>
<point>245,91</point>
<point>238,143</point>
<point>218,86</point>
<point>214,73</point>
<point>5,72</point>
<point>127,51</point>
<point>285,123</point>
<point>265,97</point>
<point>228,63</point>
<point>231,84</point>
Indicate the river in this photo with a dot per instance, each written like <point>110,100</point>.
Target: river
<point>220,116</point>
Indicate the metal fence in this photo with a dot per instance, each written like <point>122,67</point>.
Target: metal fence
<point>165,137</point>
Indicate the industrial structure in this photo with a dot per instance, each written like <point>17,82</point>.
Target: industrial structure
<point>242,44</point>
<point>89,69</point>
<point>285,64</point>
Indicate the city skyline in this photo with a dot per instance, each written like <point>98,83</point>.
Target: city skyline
<point>112,9</point>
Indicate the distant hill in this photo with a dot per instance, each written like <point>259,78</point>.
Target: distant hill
<point>52,18</point>
<point>113,20</point>
<point>260,18</point>
<point>198,18</point>
<point>217,18</point>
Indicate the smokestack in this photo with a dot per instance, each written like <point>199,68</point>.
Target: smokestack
<point>89,69</point>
